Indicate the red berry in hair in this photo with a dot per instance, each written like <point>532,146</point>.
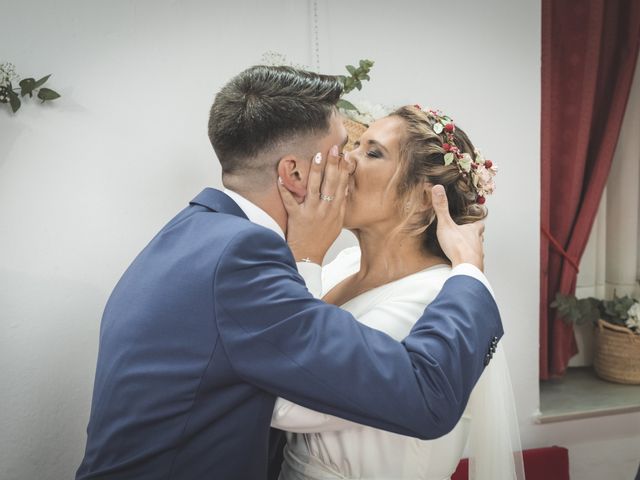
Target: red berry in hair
<point>446,147</point>
<point>481,199</point>
<point>449,127</point>
<point>418,106</point>
<point>488,163</point>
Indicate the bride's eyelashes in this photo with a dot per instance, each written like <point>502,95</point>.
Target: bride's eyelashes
<point>370,153</point>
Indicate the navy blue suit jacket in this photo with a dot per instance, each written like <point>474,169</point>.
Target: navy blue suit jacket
<point>212,322</point>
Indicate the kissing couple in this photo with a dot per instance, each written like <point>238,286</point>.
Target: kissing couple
<point>228,352</point>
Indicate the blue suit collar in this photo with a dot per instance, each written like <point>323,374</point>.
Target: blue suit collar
<point>218,202</point>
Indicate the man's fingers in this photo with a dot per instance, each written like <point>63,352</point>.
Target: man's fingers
<point>287,197</point>
<point>315,176</point>
<point>441,205</point>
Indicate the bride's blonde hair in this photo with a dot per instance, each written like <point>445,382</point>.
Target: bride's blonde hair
<point>422,161</point>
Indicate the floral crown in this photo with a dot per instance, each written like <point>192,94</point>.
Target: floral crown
<point>477,168</point>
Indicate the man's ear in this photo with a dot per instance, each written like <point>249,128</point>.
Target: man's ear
<point>293,176</point>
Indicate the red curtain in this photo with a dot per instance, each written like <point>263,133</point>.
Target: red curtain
<point>589,52</point>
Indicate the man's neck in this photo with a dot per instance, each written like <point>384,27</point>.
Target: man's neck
<point>269,201</point>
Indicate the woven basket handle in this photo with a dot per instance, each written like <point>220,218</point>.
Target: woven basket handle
<point>632,336</point>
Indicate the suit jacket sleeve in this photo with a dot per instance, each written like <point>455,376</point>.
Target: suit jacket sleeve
<point>282,340</point>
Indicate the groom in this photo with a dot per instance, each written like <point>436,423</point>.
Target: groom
<point>212,322</point>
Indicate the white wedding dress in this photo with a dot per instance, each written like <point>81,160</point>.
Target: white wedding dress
<point>321,446</point>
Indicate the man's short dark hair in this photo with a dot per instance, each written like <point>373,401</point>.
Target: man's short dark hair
<point>264,106</point>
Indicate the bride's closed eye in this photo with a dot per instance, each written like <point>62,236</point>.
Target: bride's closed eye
<point>370,153</point>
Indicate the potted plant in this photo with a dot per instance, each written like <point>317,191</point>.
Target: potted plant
<point>617,333</point>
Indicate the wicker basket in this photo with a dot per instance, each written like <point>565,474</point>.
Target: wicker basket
<point>354,130</point>
<point>617,354</point>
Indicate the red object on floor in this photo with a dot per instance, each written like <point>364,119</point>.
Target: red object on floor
<point>549,463</point>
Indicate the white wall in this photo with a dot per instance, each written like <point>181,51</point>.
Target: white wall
<point>85,182</point>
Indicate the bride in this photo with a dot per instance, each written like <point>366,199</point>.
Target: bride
<point>386,283</point>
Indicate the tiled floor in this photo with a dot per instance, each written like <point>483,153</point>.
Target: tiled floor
<point>582,394</point>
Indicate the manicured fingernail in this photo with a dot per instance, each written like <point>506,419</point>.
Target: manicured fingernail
<point>280,180</point>
<point>318,158</point>
<point>334,151</point>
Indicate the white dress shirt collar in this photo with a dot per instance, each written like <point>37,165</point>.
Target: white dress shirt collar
<point>254,213</point>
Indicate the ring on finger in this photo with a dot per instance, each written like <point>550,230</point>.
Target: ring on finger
<point>326,198</point>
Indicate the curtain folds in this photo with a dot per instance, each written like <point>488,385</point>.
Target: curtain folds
<point>589,52</point>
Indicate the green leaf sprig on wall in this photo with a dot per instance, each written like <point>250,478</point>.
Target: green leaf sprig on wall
<point>353,81</point>
<point>12,95</point>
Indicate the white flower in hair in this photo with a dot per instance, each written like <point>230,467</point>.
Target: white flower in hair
<point>483,180</point>
<point>465,162</point>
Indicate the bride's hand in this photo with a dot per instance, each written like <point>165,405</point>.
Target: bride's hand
<point>460,243</point>
<point>314,224</point>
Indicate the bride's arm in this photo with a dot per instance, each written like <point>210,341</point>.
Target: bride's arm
<point>312,275</point>
<point>321,279</point>
<point>291,417</point>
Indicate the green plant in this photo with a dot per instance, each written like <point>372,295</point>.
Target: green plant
<point>365,112</point>
<point>353,81</point>
<point>12,95</point>
<point>619,311</point>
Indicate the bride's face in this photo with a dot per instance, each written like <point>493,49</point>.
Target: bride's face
<point>372,188</point>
